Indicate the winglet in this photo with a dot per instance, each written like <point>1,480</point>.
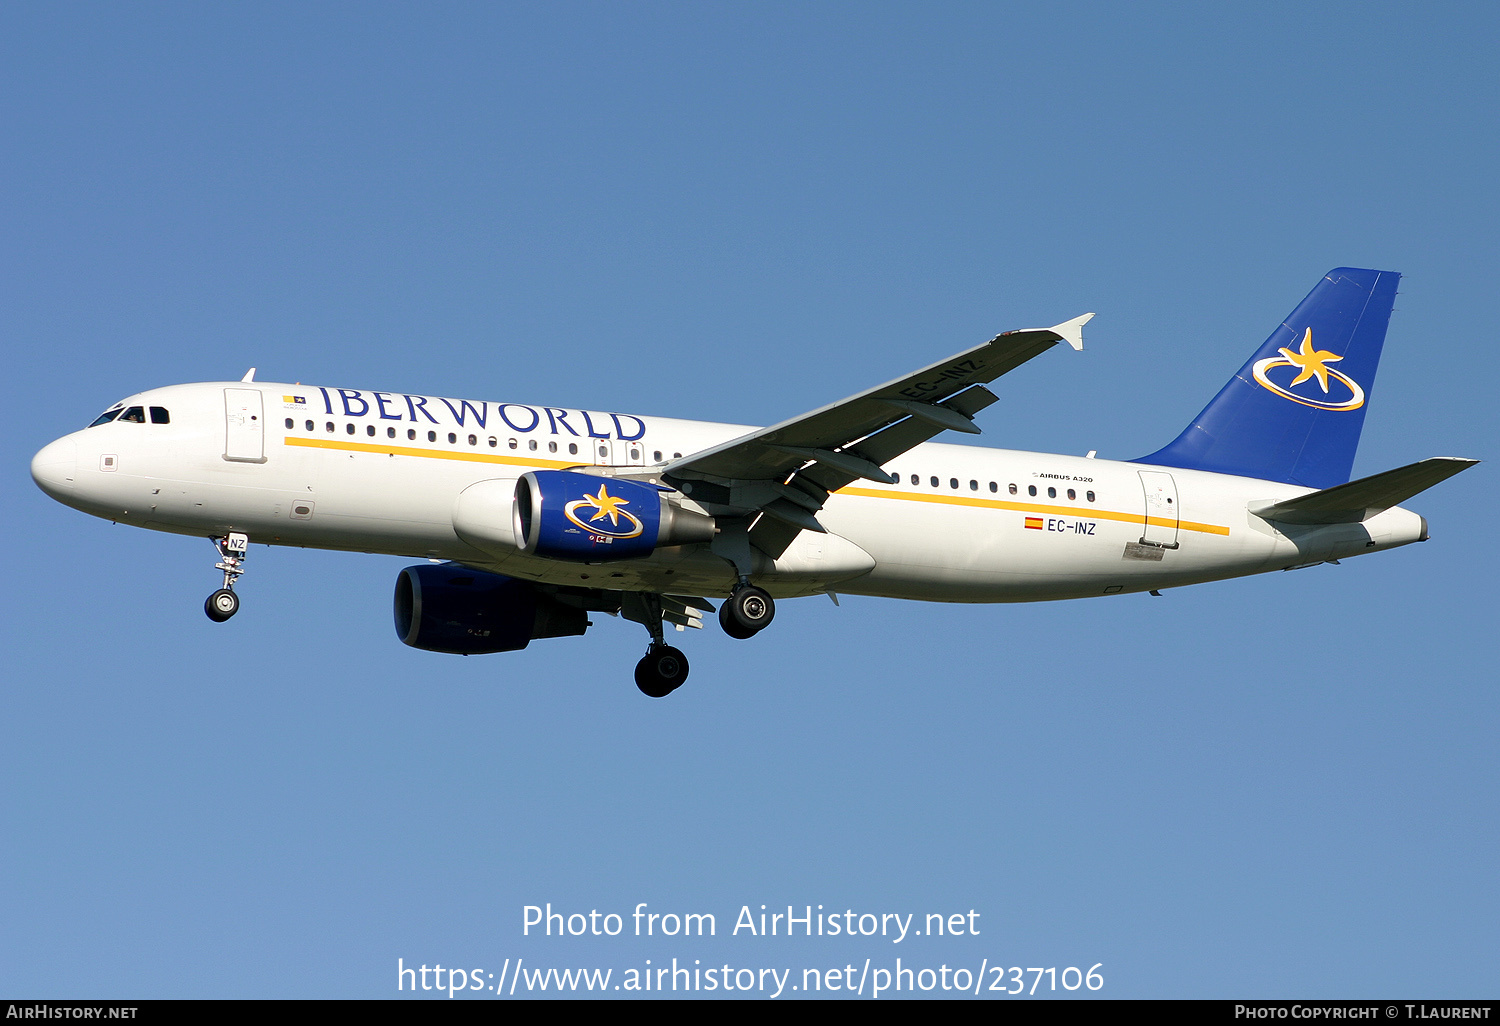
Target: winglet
<point>1072,331</point>
<point>249,375</point>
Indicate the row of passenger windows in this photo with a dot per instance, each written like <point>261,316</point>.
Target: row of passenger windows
<point>953,483</point>
<point>532,444</point>
<point>133,415</point>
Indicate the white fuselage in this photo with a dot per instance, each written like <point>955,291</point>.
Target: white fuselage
<point>386,472</point>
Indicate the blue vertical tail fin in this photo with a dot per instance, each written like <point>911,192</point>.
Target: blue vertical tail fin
<point>1293,413</point>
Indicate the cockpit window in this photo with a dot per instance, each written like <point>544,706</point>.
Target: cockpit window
<point>159,415</point>
<point>135,415</point>
<point>106,417</point>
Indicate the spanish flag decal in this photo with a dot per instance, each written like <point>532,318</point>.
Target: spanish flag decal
<point>1033,523</point>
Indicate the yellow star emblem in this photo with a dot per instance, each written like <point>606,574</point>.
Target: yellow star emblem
<point>1311,362</point>
<point>609,505</point>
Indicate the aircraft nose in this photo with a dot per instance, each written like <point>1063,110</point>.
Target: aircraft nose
<point>54,468</point>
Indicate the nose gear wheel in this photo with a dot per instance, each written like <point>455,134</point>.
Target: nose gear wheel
<point>224,603</point>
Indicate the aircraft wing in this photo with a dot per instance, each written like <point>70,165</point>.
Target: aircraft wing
<point>800,461</point>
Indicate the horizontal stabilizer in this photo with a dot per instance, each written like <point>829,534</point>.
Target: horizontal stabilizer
<point>1358,501</point>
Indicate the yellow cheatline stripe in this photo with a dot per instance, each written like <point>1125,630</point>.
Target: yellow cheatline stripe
<point>432,454</point>
<point>1077,513</point>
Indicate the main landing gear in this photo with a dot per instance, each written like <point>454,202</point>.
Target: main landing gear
<point>224,603</point>
<point>663,668</point>
<point>748,611</point>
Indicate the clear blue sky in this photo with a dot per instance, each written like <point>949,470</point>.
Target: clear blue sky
<point>1282,786</point>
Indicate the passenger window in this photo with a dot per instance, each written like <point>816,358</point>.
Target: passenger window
<point>513,443</point>
<point>973,486</point>
<point>551,446</point>
<point>390,432</point>
<point>1051,493</point>
<point>531,444</point>
<point>915,479</point>
<point>411,434</point>
<point>349,429</point>
<point>105,417</point>
<point>289,423</point>
<point>134,415</point>
<point>1031,489</point>
<point>656,456</point>
<point>1090,496</point>
<point>635,453</point>
<point>159,415</point>
<point>330,426</point>
<point>573,448</point>
<point>494,441</point>
<point>1072,494</point>
<point>452,438</point>
<point>934,481</point>
<point>603,452</point>
<point>473,440</point>
<point>308,425</point>
<point>370,430</point>
<point>994,487</point>
<point>677,455</point>
<point>1013,490</point>
<point>953,482</point>
<point>432,436</point>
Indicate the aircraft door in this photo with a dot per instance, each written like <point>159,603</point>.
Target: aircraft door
<point>244,426</point>
<point>611,452</point>
<point>628,454</point>
<point>1160,524</point>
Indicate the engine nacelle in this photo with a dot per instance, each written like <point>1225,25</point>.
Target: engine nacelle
<point>566,515</point>
<point>444,607</point>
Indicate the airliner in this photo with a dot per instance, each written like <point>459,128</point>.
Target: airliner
<point>531,517</point>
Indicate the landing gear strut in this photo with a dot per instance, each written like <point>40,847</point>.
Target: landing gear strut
<point>748,611</point>
<point>224,603</point>
<point>663,668</point>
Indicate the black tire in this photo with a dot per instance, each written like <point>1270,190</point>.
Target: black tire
<point>661,671</point>
<point>731,625</point>
<point>221,605</point>
<point>751,608</point>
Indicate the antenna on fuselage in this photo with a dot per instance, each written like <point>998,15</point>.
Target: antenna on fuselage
<point>249,375</point>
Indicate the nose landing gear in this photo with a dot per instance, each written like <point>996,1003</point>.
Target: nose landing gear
<point>224,603</point>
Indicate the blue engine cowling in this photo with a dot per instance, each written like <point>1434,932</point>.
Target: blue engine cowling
<point>562,514</point>
<point>444,607</point>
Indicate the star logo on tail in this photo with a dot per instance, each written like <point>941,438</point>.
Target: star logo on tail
<point>1311,363</point>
